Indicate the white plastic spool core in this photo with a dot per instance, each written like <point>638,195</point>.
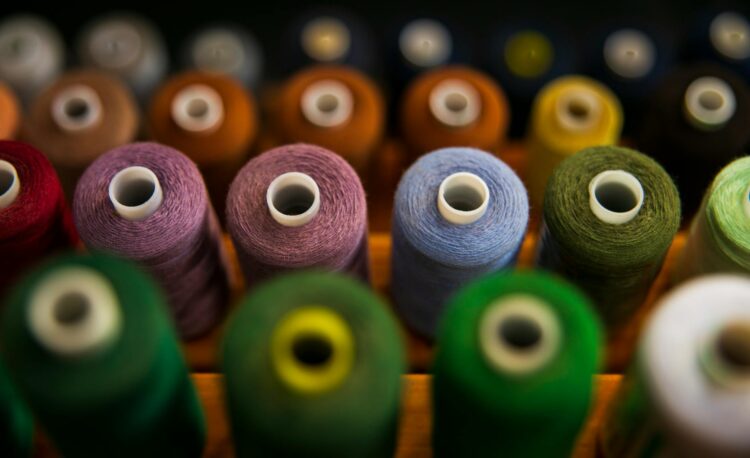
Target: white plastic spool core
<point>726,355</point>
<point>629,53</point>
<point>730,35</point>
<point>74,312</point>
<point>615,196</point>
<point>578,110</point>
<point>10,186</point>
<point>519,334</point>
<point>293,199</point>
<point>326,39</point>
<point>135,193</point>
<point>218,51</point>
<point>463,198</point>
<point>709,103</point>
<point>77,108</point>
<point>115,44</point>
<point>198,108</point>
<point>425,43</point>
<point>327,103</point>
<point>455,103</point>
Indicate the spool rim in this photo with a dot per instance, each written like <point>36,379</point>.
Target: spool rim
<point>115,44</point>
<point>198,108</point>
<point>71,100</point>
<point>425,43</point>
<point>457,182</point>
<point>729,33</point>
<point>288,181</point>
<point>326,39</point>
<point>455,103</point>
<point>125,182</point>
<point>578,100</point>
<point>322,92</point>
<point>629,53</point>
<point>8,192</point>
<point>709,103</point>
<point>627,182</point>
<point>715,363</point>
<point>225,42</point>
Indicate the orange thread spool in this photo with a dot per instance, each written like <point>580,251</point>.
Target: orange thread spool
<point>454,106</point>
<point>10,114</point>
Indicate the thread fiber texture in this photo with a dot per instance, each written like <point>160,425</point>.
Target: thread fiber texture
<point>432,257</point>
<point>335,239</point>
<point>16,425</point>
<point>179,244</point>
<point>614,264</point>
<point>10,113</point>
<point>359,417</point>
<point>132,398</point>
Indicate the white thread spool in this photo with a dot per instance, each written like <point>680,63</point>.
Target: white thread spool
<point>327,103</point>
<point>463,198</point>
<point>709,103</point>
<point>629,53</point>
<point>77,108</point>
<point>425,43</point>
<point>198,108</point>
<point>293,199</point>
<point>74,312</point>
<point>730,35</point>
<point>135,193</point>
<point>227,51</point>
<point>455,103</point>
<point>326,39</point>
<point>615,196</point>
<point>10,186</point>
<point>578,110</point>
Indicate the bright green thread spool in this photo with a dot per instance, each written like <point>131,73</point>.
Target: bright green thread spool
<point>276,412</point>
<point>719,238</point>
<point>614,262</point>
<point>102,380</point>
<point>16,426</point>
<point>489,407</point>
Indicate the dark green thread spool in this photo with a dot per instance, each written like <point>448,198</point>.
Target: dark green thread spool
<point>16,426</point>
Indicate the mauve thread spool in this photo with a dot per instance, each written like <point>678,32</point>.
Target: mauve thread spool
<point>82,115</point>
<point>147,202</point>
<point>696,124</point>
<point>10,113</point>
<point>35,220</point>
<point>336,107</point>
<point>129,46</point>
<point>453,106</point>
<point>295,207</point>
<point>32,54</point>
<point>212,119</point>
<point>722,37</point>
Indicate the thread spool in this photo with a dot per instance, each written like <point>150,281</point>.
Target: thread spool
<point>695,126</point>
<point>129,46</point>
<point>718,240</point>
<point>10,113</point>
<point>147,202</point>
<point>569,114</point>
<point>35,221</point>
<point>610,215</point>
<point>454,106</point>
<point>79,117</point>
<point>31,54</point>
<point>212,119</point>
<point>335,107</point>
<point>87,341</point>
<point>687,394</point>
<point>523,57</point>
<point>281,221</point>
<point>459,213</point>
<point>516,355</point>
<point>321,349</point>
<point>722,37</point>
<point>16,424</point>
<point>226,49</point>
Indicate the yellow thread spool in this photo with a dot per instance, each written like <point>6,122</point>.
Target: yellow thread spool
<point>569,114</point>
<point>529,54</point>
<point>330,350</point>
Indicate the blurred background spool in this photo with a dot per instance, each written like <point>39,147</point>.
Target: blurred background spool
<point>10,113</point>
<point>296,207</point>
<point>82,115</point>
<point>88,343</point>
<point>459,213</point>
<point>688,393</point>
<point>523,57</point>
<point>212,119</point>
<point>226,49</point>
<point>35,220</point>
<point>32,54</point>
<point>610,214</point>
<point>569,114</point>
<point>453,106</point>
<point>129,46</point>
<point>719,239</point>
<point>313,366</point>
<point>16,424</point>
<point>335,107</point>
<point>514,367</point>
<point>148,203</point>
<point>721,36</point>
<point>696,124</point>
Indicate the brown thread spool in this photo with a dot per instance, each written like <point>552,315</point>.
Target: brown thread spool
<point>82,115</point>
<point>212,119</point>
<point>10,115</point>
<point>454,106</point>
<point>335,107</point>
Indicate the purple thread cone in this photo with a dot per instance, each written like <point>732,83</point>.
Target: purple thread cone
<point>335,239</point>
<point>179,244</point>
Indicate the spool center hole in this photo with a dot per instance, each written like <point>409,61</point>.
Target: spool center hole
<point>6,181</point>
<point>135,192</point>
<point>456,102</point>
<point>711,100</point>
<point>463,198</point>
<point>197,108</point>
<point>312,350</point>
<point>327,103</point>
<point>293,200</point>
<point>76,108</point>
<point>520,332</point>
<point>71,309</point>
<point>579,109</point>
<point>616,197</point>
<point>733,346</point>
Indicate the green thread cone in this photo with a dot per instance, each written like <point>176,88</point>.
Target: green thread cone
<point>88,342</point>
<point>16,426</point>
<point>313,366</point>
<point>514,367</point>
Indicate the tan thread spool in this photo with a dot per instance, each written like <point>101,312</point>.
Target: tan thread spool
<point>10,113</point>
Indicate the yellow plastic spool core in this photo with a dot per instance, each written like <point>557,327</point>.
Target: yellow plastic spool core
<point>529,54</point>
<point>312,350</point>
